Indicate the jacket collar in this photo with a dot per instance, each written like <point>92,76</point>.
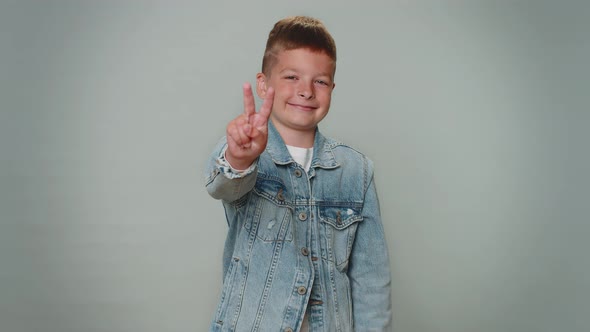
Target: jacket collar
<point>323,156</point>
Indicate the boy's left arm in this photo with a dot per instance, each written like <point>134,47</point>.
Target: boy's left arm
<point>369,271</point>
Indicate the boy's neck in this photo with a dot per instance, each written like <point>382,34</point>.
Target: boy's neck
<point>297,138</point>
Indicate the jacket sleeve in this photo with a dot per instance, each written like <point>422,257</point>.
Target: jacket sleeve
<point>222,181</point>
<point>369,270</point>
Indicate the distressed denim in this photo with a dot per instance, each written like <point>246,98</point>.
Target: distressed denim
<point>301,241</point>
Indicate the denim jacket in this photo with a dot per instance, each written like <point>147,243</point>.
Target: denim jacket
<point>301,241</point>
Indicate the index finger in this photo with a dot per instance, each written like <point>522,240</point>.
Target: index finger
<point>265,109</point>
<point>249,105</point>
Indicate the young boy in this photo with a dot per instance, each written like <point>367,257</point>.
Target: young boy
<point>305,250</point>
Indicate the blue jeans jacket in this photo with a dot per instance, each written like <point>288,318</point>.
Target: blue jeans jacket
<point>302,241</point>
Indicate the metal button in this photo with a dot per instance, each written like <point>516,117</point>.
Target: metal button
<point>298,173</point>
<point>304,251</point>
<point>288,329</point>
<point>280,195</point>
<point>302,216</point>
<point>301,290</point>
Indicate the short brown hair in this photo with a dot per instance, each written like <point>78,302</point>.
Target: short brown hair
<point>297,32</point>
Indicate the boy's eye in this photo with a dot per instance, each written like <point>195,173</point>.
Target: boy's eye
<point>322,82</point>
<point>290,77</point>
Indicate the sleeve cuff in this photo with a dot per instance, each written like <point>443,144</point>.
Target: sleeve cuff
<point>228,171</point>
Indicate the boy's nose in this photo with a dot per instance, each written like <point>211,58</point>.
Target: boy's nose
<point>306,95</point>
<point>305,92</point>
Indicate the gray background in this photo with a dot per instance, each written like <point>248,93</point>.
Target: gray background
<point>475,113</point>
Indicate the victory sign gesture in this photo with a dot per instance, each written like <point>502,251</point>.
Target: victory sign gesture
<point>247,134</point>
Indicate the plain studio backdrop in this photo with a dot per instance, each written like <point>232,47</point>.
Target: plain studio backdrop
<point>475,113</point>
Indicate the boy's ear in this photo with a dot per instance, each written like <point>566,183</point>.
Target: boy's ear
<point>261,85</point>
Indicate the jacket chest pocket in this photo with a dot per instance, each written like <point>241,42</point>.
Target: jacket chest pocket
<point>339,223</point>
<point>271,220</point>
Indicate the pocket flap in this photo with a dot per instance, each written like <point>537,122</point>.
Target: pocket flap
<point>273,190</point>
<point>340,217</point>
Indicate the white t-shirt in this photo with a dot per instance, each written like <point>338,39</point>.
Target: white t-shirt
<point>301,155</point>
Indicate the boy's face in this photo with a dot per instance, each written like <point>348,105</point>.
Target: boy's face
<point>303,81</point>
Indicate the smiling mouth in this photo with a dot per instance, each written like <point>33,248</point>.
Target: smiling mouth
<point>303,107</point>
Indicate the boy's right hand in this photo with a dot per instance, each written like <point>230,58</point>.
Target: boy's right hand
<point>247,134</point>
